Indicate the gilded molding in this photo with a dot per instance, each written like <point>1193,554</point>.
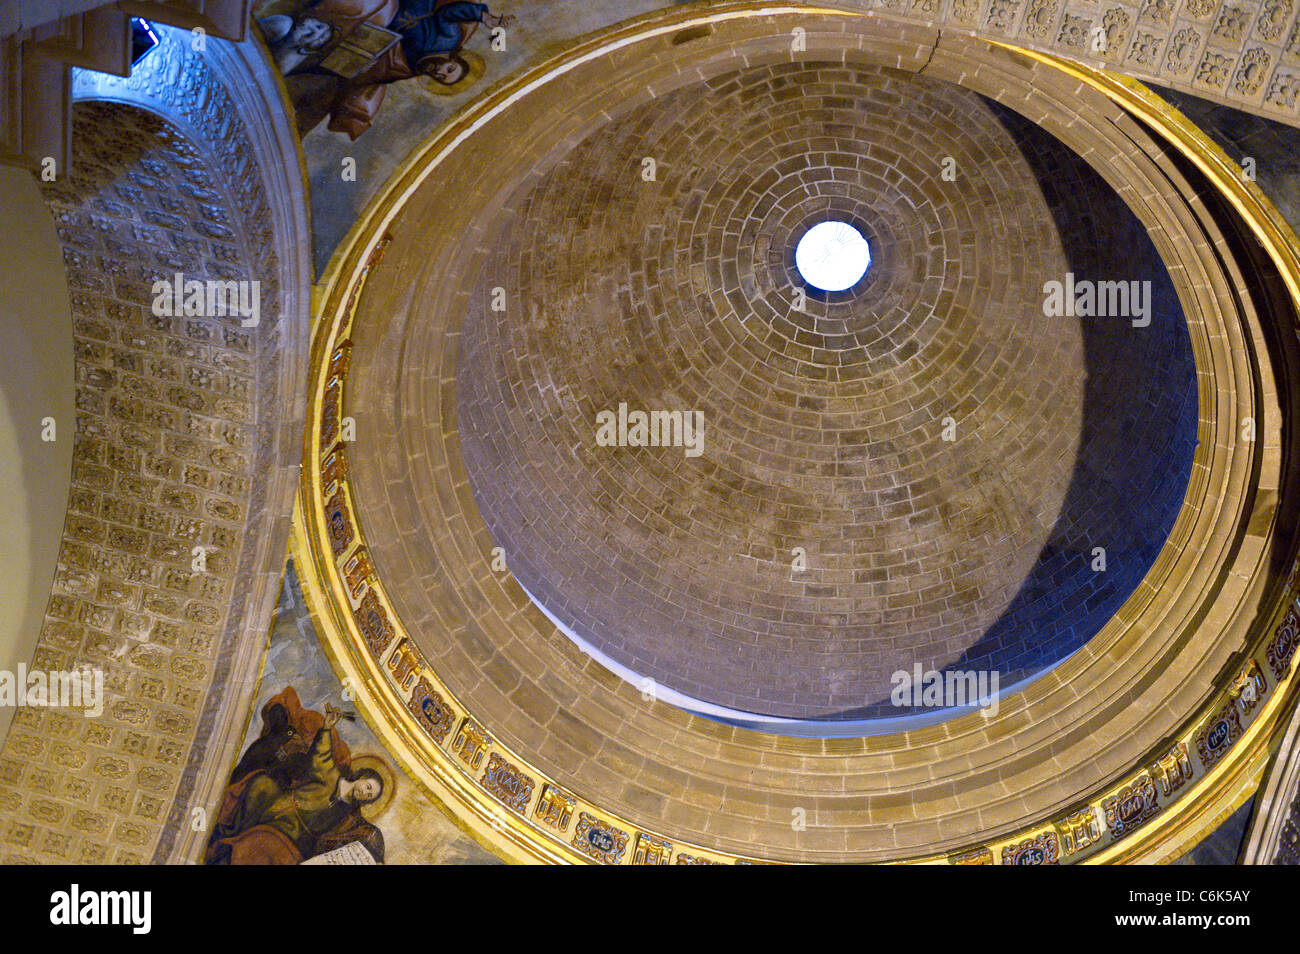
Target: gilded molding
<point>1159,807</point>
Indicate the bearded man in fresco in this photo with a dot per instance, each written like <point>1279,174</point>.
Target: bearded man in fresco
<point>294,794</point>
<point>431,38</point>
<point>433,31</point>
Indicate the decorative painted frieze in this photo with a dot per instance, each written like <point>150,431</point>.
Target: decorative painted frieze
<point>372,620</point>
<point>555,807</point>
<point>471,743</point>
<point>1282,647</point>
<point>338,523</point>
<point>1132,806</point>
<point>1248,688</point>
<point>599,840</point>
<point>429,709</point>
<point>651,851</point>
<point>334,470</point>
<point>1172,770</point>
<point>1044,849</point>
<point>509,784</point>
<point>357,572</point>
<point>1218,735</point>
<point>404,664</point>
<point>1079,830</point>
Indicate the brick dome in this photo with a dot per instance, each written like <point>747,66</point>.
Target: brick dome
<point>522,274</point>
<point>943,456</point>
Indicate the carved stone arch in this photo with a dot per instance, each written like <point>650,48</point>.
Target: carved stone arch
<point>189,434</point>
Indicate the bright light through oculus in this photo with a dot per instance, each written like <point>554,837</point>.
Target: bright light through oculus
<point>832,256</point>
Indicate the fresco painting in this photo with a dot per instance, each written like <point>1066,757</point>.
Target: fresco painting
<point>313,785</point>
<point>371,80</point>
<point>298,793</point>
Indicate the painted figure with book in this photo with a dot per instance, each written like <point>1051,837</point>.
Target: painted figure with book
<point>339,56</point>
<point>298,794</point>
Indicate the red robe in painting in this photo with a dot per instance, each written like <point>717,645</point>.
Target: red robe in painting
<point>352,104</point>
<point>291,735</point>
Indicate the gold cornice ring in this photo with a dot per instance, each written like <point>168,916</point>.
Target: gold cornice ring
<point>1157,807</point>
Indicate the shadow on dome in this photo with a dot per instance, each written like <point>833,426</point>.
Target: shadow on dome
<point>1138,437</point>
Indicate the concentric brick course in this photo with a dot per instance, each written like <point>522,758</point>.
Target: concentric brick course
<point>1053,743</point>
<point>824,413</point>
